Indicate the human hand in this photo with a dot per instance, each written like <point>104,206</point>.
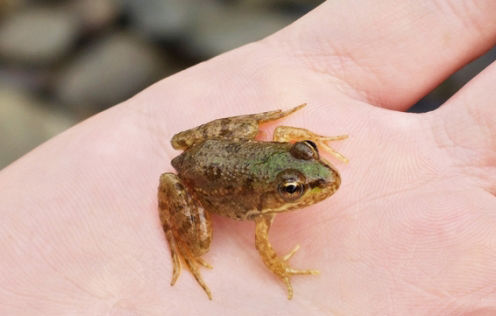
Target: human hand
<point>410,231</point>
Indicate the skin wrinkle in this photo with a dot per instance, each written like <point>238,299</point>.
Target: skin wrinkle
<point>448,143</point>
<point>484,122</point>
<point>391,193</point>
<point>459,9</point>
<point>305,59</point>
<point>322,64</point>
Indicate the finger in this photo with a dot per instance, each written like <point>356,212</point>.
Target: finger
<point>391,53</point>
<point>466,127</point>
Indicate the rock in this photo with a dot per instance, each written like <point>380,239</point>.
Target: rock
<point>7,6</point>
<point>95,15</point>
<point>29,78</point>
<point>37,35</point>
<point>25,122</point>
<point>220,29</point>
<point>281,3</point>
<point>109,72</point>
<point>162,19</point>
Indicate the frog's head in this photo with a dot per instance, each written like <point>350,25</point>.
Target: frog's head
<point>305,179</point>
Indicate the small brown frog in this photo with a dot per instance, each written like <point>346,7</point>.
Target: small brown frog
<point>224,170</point>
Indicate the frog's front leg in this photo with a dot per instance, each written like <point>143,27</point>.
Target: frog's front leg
<point>186,225</point>
<point>279,266</point>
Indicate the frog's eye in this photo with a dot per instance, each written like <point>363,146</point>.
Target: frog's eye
<point>291,186</point>
<point>305,150</point>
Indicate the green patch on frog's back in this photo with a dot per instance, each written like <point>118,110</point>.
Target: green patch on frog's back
<point>283,160</point>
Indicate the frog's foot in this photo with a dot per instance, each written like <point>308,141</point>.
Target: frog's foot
<point>275,115</point>
<point>187,228</point>
<point>290,271</point>
<point>278,265</point>
<point>281,268</point>
<point>287,134</point>
<point>192,264</point>
<point>291,253</point>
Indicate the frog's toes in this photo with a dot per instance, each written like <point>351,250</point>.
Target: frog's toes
<point>202,262</point>
<point>289,287</point>
<point>292,271</point>
<point>285,271</point>
<point>176,270</point>
<point>193,267</point>
<point>291,253</point>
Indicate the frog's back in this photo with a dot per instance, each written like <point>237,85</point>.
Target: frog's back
<point>226,175</point>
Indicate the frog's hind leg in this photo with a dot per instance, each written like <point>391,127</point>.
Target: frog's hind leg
<point>186,225</point>
<point>287,133</point>
<point>233,128</point>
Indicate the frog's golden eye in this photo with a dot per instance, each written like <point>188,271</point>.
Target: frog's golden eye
<point>291,185</point>
<point>305,150</point>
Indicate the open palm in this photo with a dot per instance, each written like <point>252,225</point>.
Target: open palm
<point>410,231</point>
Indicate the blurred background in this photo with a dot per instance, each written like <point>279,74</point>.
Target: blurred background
<point>63,61</point>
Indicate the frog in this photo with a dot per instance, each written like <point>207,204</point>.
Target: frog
<point>224,169</point>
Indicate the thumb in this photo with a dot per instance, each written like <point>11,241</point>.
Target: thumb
<point>465,126</point>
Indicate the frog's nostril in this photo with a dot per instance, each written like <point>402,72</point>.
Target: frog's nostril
<point>320,183</point>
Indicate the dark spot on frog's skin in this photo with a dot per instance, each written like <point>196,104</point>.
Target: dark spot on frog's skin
<point>192,218</point>
<point>213,172</point>
<point>230,188</point>
<point>208,202</point>
<point>179,186</point>
<point>225,128</point>
<point>248,184</point>
<point>178,206</point>
<point>233,148</point>
<point>186,226</point>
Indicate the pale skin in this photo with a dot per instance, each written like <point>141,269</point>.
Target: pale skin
<point>410,231</point>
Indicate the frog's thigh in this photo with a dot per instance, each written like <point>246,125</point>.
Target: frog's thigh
<point>186,225</point>
<point>233,128</point>
<point>288,133</point>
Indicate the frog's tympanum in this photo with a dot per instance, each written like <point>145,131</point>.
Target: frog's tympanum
<point>224,170</point>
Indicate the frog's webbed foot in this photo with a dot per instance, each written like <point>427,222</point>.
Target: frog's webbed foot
<point>187,228</point>
<point>279,266</point>
<point>287,133</point>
